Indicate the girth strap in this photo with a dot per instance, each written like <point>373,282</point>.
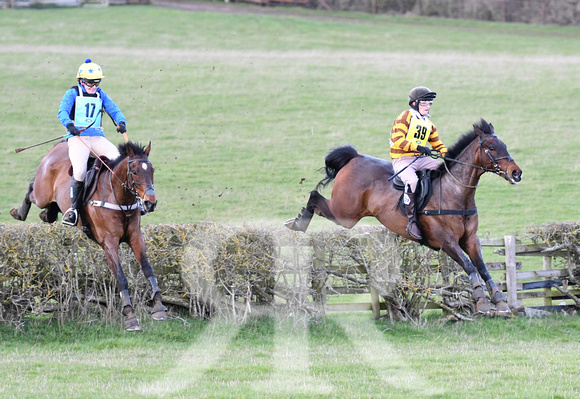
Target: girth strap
<point>108,205</point>
<point>438,212</point>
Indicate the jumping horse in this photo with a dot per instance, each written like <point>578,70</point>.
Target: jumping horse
<point>111,211</point>
<point>363,186</point>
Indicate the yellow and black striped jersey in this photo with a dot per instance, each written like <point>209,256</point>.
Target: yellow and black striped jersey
<point>410,130</point>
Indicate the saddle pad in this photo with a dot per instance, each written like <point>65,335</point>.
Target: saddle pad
<point>423,191</point>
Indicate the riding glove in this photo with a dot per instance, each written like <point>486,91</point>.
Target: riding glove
<point>72,129</point>
<point>424,150</point>
<point>121,128</point>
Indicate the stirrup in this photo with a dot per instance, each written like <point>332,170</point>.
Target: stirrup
<point>66,216</point>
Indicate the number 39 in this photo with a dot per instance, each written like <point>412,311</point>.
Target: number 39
<point>421,132</point>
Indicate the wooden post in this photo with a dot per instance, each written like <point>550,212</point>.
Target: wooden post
<point>510,271</point>
<point>375,304</point>
<point>318,276</point>
<point>547,265</point>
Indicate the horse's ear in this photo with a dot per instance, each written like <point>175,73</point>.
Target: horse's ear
<point>129,150</point>
<point>478,130</point>
<point>148,149</point>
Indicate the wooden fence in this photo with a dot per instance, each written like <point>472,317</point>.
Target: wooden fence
<point>523,287</point>
<point>532,284</point>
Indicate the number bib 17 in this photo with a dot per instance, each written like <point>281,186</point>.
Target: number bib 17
<point>88,111</point>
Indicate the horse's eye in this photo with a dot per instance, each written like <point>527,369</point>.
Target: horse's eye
<point>492,148</point>
<point>134,172</point>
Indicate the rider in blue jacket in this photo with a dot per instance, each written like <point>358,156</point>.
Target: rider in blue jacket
<point>80,112</point>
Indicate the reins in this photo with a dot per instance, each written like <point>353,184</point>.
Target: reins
<point>494,169</point>
<point>123,184</point>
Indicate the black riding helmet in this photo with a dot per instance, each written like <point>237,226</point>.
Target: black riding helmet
<point>420,93</point>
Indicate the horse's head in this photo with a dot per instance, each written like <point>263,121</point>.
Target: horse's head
<point>494,154</point>
<point>140,175</point>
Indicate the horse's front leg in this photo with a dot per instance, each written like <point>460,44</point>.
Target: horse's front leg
<point>111,248</point>
<point>453,249</point>
<point>499,299</point>
<point>137,244</point>
<point>22,212</point>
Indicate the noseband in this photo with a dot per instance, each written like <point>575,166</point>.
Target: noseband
<point>493,161</point>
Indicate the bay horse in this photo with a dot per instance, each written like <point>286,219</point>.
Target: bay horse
<point>111,215</point>
<point>363,186</point>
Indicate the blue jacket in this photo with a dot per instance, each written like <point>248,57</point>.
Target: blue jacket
<point>66,111</point>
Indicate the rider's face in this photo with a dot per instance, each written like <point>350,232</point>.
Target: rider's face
<point>90,88</point>
<point>424,107</point>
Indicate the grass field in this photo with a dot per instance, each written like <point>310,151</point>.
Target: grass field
<point>241,108</point>
<point>345,356</point>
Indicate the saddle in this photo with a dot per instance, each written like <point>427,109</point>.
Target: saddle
<point>423,191</point>
<point>94,168</point>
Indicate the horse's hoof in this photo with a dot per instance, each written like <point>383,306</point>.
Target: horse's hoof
<point>483,306</point>
<point>293,225</point>
<point>502,309</point>
<point>132,324</point>
<point>159,315</point>
<point>159,312</point>
<point>14,213</point>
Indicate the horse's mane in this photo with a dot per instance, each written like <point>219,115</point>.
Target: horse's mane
<point>467,138</point>
<point>123,148</point>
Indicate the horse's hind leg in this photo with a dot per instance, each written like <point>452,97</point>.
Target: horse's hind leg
<point>22,212</point>
<point>316,204</point>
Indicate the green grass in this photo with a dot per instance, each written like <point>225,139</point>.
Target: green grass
<point>240,108</point>
<point>344,355</point>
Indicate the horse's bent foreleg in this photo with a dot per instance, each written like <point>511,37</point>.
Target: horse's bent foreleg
<point>50,213</point>
<point>137,243</point>
<point>22,212</point>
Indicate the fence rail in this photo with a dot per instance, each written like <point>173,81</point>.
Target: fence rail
<point>520,286</point>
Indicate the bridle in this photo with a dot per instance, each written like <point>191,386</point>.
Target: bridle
<point>495,169</point>
<point>493,161</point>
<point>149,190</point>
<point>130,184</point>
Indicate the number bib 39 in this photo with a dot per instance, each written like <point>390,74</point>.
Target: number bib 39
<point>419,131</point>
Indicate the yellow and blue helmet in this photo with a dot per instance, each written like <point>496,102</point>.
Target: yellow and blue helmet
<point>90,71</point>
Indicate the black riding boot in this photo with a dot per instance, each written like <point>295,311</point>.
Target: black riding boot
<point>71,216</point>
<point>412,226</point>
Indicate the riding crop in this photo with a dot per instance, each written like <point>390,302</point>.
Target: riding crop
<point>36,145</point>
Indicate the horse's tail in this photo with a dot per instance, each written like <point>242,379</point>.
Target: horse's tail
<point>335,161</point>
